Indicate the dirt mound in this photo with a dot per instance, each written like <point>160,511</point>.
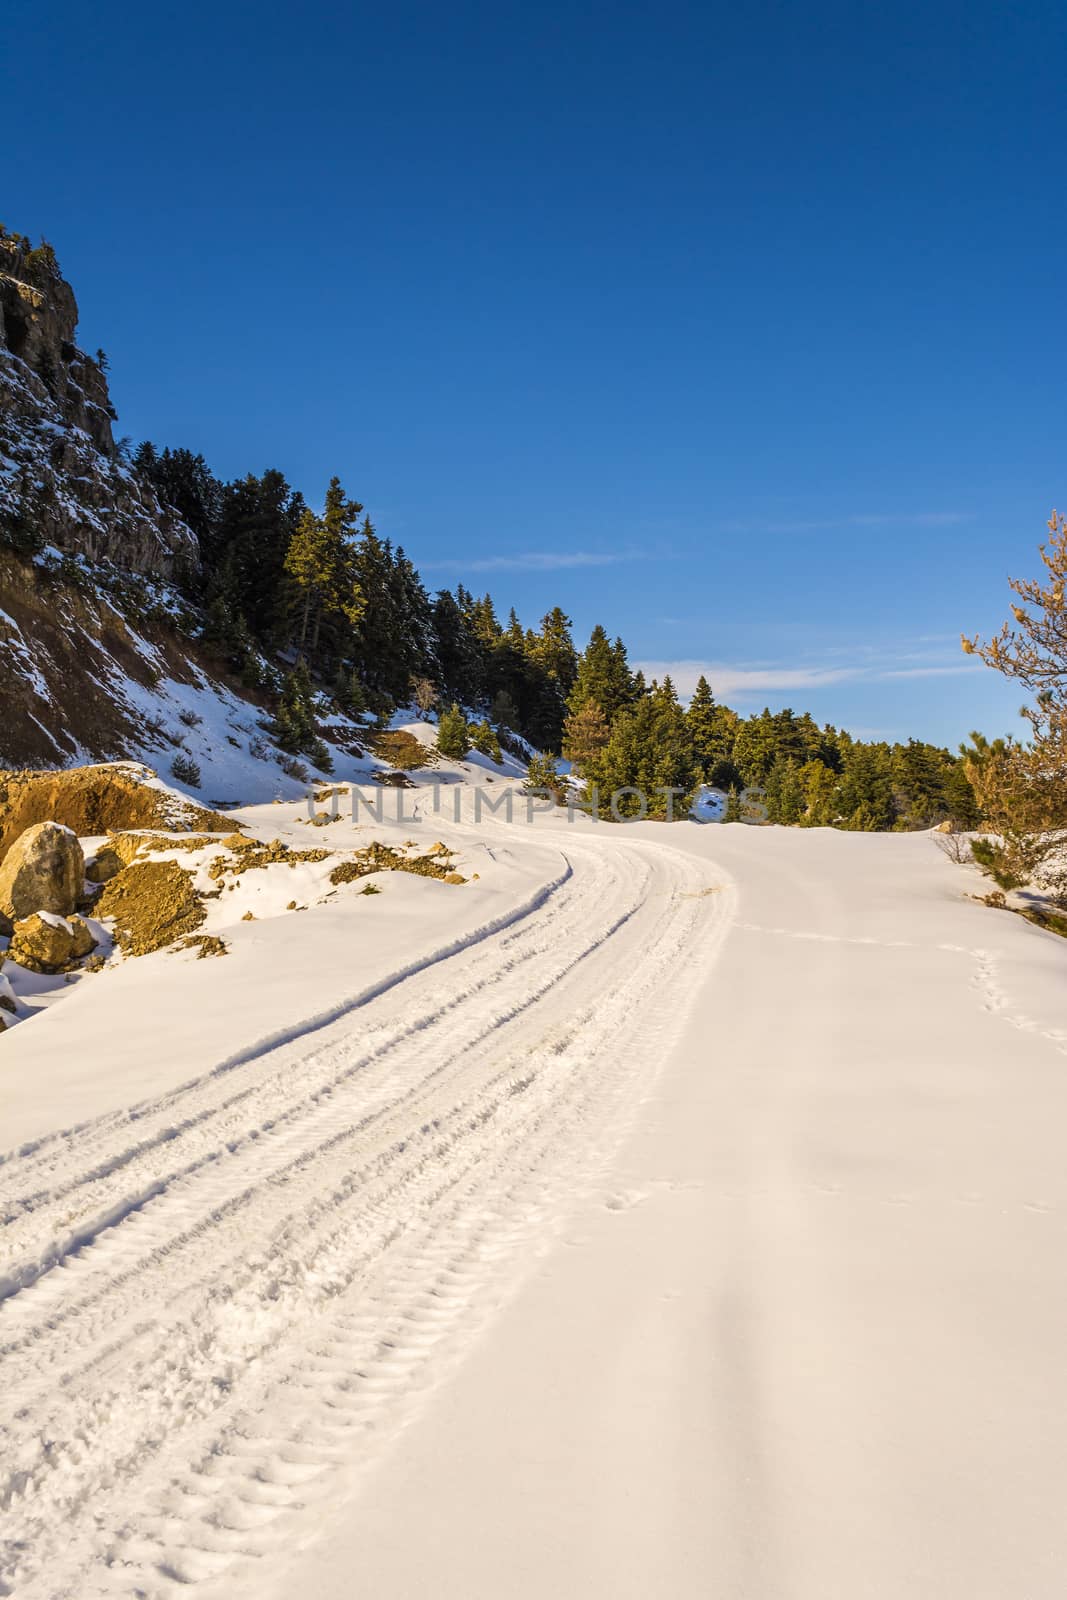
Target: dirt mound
<point>153,904</point>
<point>122,849</point>
<point>250,854</point>
<point>95,800</point>
<point>383,858</point>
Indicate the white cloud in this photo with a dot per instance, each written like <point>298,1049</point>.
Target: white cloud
<point>858,519</point>
<point>742,680</point>
<point>534,561</point>
<point>727,680</point>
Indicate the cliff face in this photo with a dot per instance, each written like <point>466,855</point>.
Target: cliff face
<point>62,479</point>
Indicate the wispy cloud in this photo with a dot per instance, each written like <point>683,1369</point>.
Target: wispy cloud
<point>535,561</point>
<point>742,680</point>
<point>858,519</point>
<point>727,680</point>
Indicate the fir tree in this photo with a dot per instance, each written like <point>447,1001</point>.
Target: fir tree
<point>294,728</point>
<point>320,562</point>
<point>585,737</point>
<point>457,650</point>
<point>602,676</point>
<point>504,713</point>
<point>701,723</point>
<point>483,738</point>
<point>453,737</point>
<point>784,791</point>
<point>649,751</point>
<point>819,784</point>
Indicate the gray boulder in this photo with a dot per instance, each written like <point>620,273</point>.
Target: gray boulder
<point>44,870</point>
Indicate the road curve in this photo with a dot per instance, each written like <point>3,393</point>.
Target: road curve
<point>219,1310</point>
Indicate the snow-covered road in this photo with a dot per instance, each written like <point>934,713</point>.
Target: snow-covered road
<point>695,1228</point>
<point>807,1342</point>
<point>219,1305</point>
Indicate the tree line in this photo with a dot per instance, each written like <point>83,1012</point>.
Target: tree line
<point>278,577</point>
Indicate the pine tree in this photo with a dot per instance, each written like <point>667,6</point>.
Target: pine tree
<point>865,792</point>
<point>784,791</point>
<point>755,747</point>
<point>1022,787</point>
<point>585,736</point>
<point>819,784</point>
<point>294,726</point>
<point>504,713</point>
<point>453,736</point>
<point>649,751</point>
<point>457,650</point>
<point>701,722</point>
<point>553,650</point>
<point>483,738</point>
<point>321,563</point>
<point>257,521</point>
<point>602,676</point>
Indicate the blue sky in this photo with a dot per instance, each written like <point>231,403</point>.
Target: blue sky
<point>737,328</point>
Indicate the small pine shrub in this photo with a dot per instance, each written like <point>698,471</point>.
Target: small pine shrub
<point>996,864</point>
<point>185,769</point>
<point>484,739</point>
<point>293,768</point>
<point>192,719</point>
<point>543,776</point>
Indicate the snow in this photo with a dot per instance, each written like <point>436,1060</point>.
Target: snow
<point>54,920</point>
<point>663,1212</point>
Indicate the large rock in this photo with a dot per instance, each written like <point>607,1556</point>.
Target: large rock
<point>49,943</point>
<point>61,472</point>
<point>44,870</point>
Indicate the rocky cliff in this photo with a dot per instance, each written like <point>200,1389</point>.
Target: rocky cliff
<point>63,480</point>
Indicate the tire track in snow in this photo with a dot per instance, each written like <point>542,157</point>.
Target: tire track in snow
<point>328,1232</point>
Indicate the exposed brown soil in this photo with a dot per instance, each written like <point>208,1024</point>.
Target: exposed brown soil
<point>78,642</point>
<point>153,903</point>
<point>94,800</point>
<point>249,854</point>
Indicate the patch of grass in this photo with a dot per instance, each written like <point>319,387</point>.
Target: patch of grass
<point>1051,921</point>
<point>1040,916</point>
<point>402,750</point>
